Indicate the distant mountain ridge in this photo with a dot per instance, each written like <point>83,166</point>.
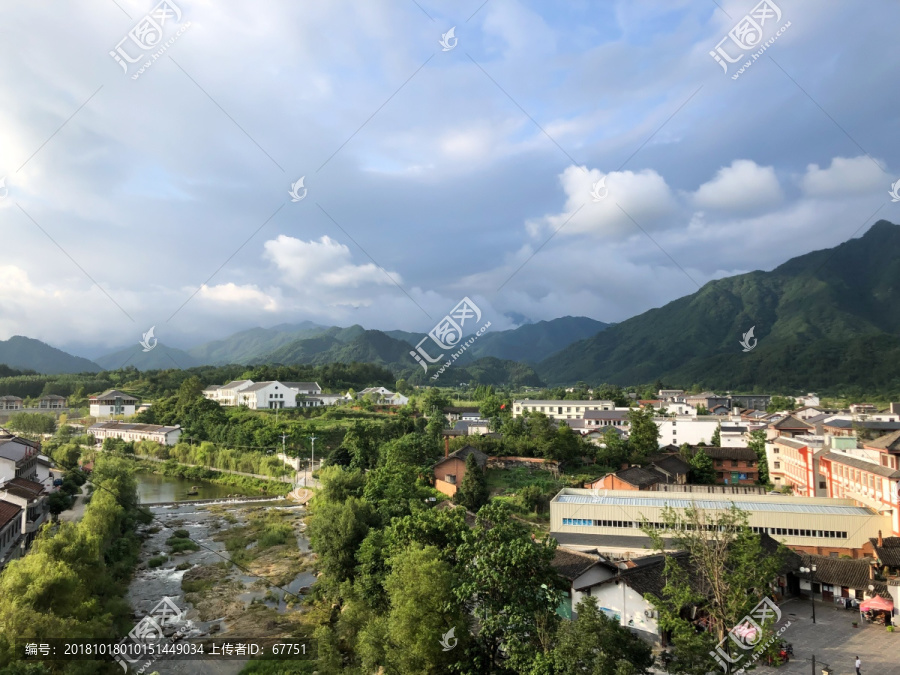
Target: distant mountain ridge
<point>30,354</point>
<point>823,319</point>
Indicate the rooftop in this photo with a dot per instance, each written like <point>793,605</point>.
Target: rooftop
<point>8,511</point>
<point>764,503</point>
<point>137,428</point>
<point>861,464</point>
<point>112,394</point>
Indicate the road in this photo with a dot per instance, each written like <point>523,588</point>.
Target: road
<point>76,513</point>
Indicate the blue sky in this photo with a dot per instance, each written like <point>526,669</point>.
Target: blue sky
<point>431,174</point>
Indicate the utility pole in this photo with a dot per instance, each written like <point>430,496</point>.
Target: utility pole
<point>312,462</point>
<point>813,664</point>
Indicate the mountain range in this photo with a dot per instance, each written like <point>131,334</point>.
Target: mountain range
<point>824,320</point>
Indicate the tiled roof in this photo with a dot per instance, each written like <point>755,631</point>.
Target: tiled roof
<point>673,464</point>
<point>843,572</point>
<point>862,464</point>
<point>137,428</point>
<point>8,511</point>
<point>726,453</point>
<point>460,409</point>
<point>889,442</point>
<point>889,552</point>
<point>113,393</point>
<point>302,385</point>
<point>791,422</point>
<point>14,450</point>
<point>640,477</point>
<point>571,564</point>
<point>463,453</point>
<point>644,579</point>
<point>27,485</point>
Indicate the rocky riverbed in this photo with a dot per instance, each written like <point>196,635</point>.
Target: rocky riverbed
<point>237,570</point>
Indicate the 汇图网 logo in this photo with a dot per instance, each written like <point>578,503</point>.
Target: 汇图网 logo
<point>448,640</point>
<point>745,342</point>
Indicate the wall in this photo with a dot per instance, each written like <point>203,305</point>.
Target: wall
<point>620,600</point>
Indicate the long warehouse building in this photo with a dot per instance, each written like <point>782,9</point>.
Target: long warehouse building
<point>610,521</point>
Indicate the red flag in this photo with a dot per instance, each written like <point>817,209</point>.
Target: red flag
<point>502,406</point>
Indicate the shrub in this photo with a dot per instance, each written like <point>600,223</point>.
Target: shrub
<point>184,534</point>
<point>157,560</point>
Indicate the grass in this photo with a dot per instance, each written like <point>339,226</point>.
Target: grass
<point>184,534</point>
<point>180,544</point>
<point>512,480</point>
<point>157,560</point>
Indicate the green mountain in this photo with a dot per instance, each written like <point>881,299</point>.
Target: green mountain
<point>824,321</point>
<point>534,342</point>
<point>373,346</point>
<point>30,354</point>
<point>249,345</point>
<point>160,357</point>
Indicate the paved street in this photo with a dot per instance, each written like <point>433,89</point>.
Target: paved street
<point>834,641</point>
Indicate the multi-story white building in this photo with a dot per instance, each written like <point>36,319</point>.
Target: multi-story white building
<point>560,410</point>
<point>684,429</point>
<point>113,402</point>
<point>28,500</point>
<point>268,395</point>
<point>18,458</point>
<point>136,432</point>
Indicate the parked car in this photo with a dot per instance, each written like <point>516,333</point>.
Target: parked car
<point>58,482</point>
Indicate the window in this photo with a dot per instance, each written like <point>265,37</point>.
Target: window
<point>775,450</point>
<point>777,465</point>
<point>450,478</point>
<point>821,484</point>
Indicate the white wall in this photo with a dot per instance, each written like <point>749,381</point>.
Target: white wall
<point>691,430</point>
<point>620,600</point>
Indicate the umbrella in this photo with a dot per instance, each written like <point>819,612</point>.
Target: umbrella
<point>876,603</point>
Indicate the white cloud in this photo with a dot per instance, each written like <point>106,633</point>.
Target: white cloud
<point>644,196</point>
<point>743,186</point>
<point>326,263</point>
<point>845,176</point>
<point>232,295</point>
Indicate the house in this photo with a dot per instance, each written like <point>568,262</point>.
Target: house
<point>10,403</point>
<point>887,551</point>
<point>31,499</point>
<point>52,402</point>
<point>631,478</point>
<point>617,417</point>
<point>457,413</point>
<point>577,567</point>
<point>732,436</point>
<point>450,471</point>
<point>383,396</point>
<point>473,427</point>
<point>559,409</point>
<point>866,482</point>
<point>136,432</point>
<point>690,430</point>
<point>795,463</point>
<point>707,400</point>
<point>305,388</point>
<point>10,531</point>
<point>267,396</point>
<point>673,467</point>
<point>754,401</point>
<point>18,459</point>
<point>670,394</point>
<point>112,402</point>
<point>227,394</point>
<point>733,466</point>
<point>789,426</point>
<point>811,399</point>
<point>835,578</point>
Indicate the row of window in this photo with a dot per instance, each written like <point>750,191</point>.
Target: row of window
<point>782,531</point>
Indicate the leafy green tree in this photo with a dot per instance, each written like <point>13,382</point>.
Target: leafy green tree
<point>779,403</point>
<point>702,470</point>
<point>434,401</point>
<point>336,531</point>
<point>419,614</point>
<point>473,490</point>
<point>724,571</point>
<point>58,502</point>
<point>614,450</point>
<point>757,443</point>
<point>593,643</point>
<point>716,441</point>
<point>509,586</point>
<point>643,436</point>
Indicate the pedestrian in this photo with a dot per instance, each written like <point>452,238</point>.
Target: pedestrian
<point>858,664</point>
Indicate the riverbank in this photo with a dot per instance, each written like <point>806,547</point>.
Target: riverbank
<point>247,485</point>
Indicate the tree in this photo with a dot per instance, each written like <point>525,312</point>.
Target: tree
<point>723,571</point>
<point>595,644</point>
<point>419,615</point>
<point>757,443</point>
<point>644,434</point>
<point>702,470</point>
<point>716,441</point>
<point>434,400</point>
<point>336,530</point>
<point>473,490</point>
<point>508,584</point>
<point>779,403</point>
<point>58,502</point>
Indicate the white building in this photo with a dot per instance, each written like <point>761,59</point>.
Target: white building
<point>684,429</point>
<point>560,410</point>
<point>25,503</point>
<point>268,395</point>
<point>136,432</point>
<point>113,402</point>
<point>384,396</point>
<point>18,459</point>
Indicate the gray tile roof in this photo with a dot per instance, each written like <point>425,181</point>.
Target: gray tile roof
<point>111,394</point>
<point>862,464</point>
<point>842,572</point>
<point>571,564</point>
<point>640,477</point>
<point>889,552</point>
<point>744,454</point>
<point>13,450</point>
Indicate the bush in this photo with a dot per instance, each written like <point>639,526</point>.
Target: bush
<point>180,545</point>
<point>184,534</point>
<point>157,560</point>
<point>275,534</point>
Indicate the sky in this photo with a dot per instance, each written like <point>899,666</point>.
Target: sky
<point>543,159</point>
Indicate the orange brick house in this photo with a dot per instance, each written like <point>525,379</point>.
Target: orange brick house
<point>450,471</point>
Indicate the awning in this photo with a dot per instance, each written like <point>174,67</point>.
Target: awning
<point>876,603</point>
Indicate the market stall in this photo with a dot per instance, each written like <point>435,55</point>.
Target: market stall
<point>877,610</point>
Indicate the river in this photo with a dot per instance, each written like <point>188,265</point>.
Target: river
<point>154,488</point>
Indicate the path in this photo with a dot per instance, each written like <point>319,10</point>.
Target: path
<point>283,479</point>
<point>76,513</point>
